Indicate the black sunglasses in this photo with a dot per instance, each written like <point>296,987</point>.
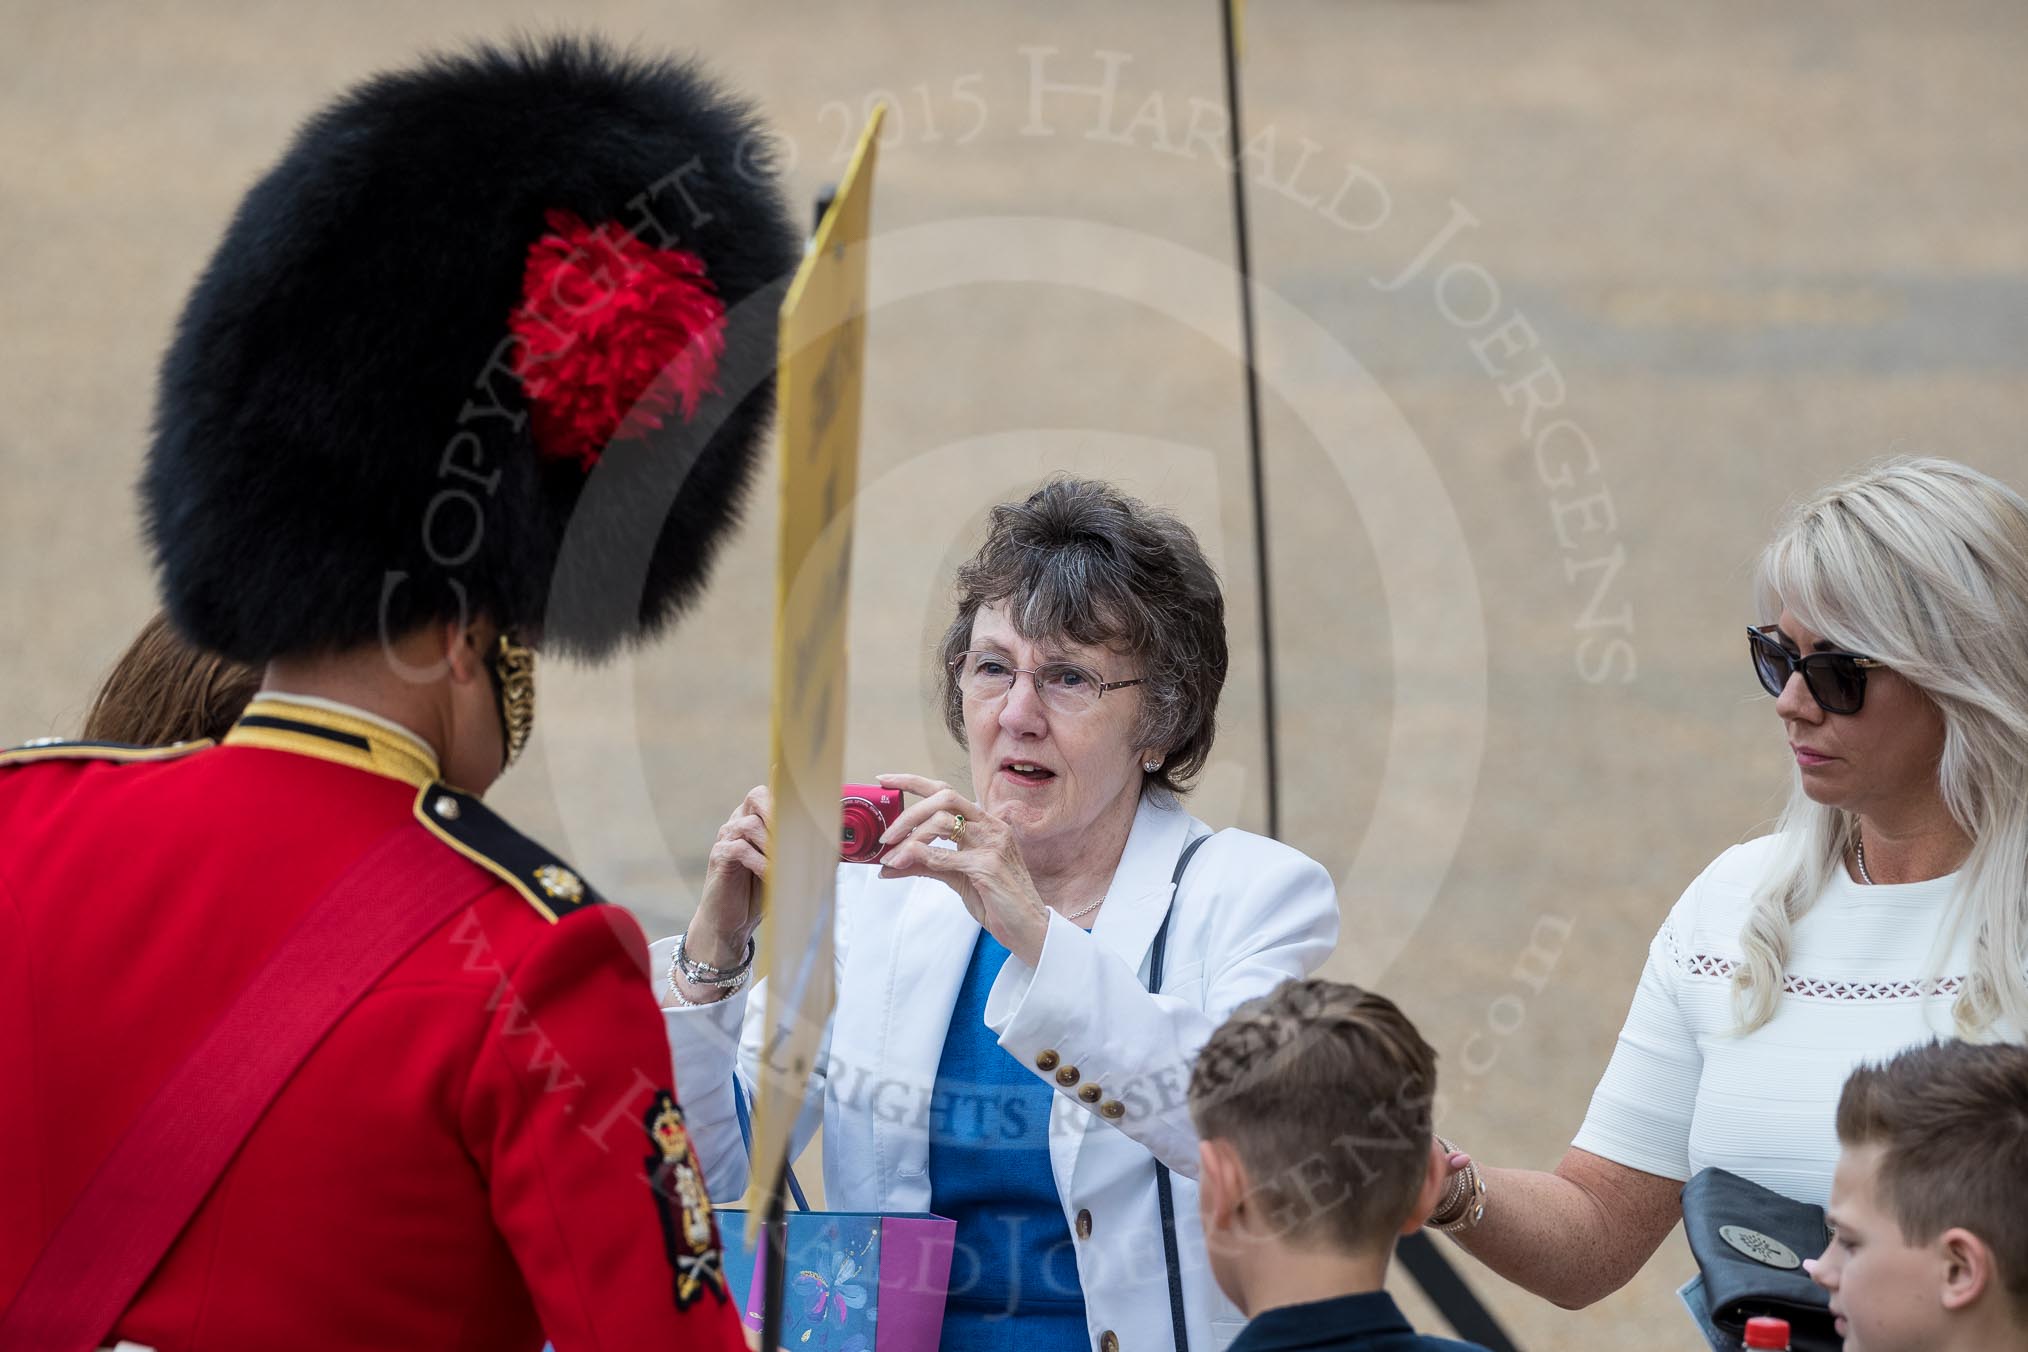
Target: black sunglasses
<point>1836,681</point>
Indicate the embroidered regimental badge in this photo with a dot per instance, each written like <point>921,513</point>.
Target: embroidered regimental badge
<point>688,1233</point>
<point>560,882</point>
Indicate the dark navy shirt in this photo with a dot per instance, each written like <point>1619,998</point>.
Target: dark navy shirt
<point>1014,1281</point>
<point>1367,1322</point>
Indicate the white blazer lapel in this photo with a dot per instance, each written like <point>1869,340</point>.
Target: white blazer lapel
<point>1136,902</point>
<point>1138,899</point>
<point>929,946</point>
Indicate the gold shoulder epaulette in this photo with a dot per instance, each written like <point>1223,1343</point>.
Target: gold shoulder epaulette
<point>474,830</point>
<point>55,748</point>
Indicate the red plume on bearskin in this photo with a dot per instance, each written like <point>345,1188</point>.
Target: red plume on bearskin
<point>614,335</point>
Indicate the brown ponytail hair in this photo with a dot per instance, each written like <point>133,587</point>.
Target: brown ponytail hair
<point>164,690</point>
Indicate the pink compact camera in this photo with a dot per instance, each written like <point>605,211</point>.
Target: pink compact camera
<point>869,810</point>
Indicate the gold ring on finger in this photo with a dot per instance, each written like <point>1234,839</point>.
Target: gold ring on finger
<point>957,826</point>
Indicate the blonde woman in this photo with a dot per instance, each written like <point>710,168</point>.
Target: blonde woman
<point>1890,907</point>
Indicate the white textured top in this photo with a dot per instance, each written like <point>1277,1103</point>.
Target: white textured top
<point>1684,1091</point>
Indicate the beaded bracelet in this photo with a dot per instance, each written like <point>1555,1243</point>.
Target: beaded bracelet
<point>678,1000</point>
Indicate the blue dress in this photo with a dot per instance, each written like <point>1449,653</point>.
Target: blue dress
<point>1014,1282</point>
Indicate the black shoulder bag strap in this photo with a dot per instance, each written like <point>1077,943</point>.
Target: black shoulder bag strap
<point>1165,1195</point>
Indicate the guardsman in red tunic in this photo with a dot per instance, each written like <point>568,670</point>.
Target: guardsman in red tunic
<point>480,366</point>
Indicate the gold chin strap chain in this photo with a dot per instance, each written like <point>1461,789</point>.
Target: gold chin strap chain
<point>514,669</point>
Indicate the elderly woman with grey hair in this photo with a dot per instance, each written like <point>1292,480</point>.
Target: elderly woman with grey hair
<point>1003,1051</point>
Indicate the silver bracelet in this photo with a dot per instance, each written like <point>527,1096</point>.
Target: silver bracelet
<point>678,1000</point>
<point>703,973</point>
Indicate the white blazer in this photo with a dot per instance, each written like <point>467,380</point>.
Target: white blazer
<point>1251,914</point>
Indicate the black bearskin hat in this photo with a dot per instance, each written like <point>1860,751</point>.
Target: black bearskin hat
<point>496,335</point>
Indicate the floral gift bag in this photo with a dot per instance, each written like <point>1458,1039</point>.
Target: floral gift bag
<point>857,1281</point>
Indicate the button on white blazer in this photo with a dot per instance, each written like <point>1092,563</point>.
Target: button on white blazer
<point>1251,913</point>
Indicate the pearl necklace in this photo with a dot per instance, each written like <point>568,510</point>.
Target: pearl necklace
<point>1859,857</point>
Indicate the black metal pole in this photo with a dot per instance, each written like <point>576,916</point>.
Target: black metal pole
<point>1243,254</point>
<point>774,1257</point>
<point>1432,1272</point>
<point>1447,1291</point>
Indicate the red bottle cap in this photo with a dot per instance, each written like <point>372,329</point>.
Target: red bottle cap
<point>1763,1331</point>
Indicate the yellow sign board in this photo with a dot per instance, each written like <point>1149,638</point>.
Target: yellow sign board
<point>823,344</point>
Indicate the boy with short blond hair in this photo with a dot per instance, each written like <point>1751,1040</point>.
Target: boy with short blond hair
<point>1929,1205</point>
<point>1312,1108</point>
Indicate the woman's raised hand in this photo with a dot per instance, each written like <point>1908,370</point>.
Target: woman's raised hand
<point>730,910</point>
<point>982,864</point>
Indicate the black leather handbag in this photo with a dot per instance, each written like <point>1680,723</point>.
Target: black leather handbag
<point>1750,1243</point>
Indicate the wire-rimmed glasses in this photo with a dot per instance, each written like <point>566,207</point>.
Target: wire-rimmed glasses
<point>1064,687</point>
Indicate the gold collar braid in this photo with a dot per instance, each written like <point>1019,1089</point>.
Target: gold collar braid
<point>281,724</point>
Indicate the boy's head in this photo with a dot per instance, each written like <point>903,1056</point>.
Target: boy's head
<point>1312,1108</point>
<point>1929,1245</point>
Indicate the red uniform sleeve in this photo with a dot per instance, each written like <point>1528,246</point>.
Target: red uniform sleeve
<point>571,1113</point>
